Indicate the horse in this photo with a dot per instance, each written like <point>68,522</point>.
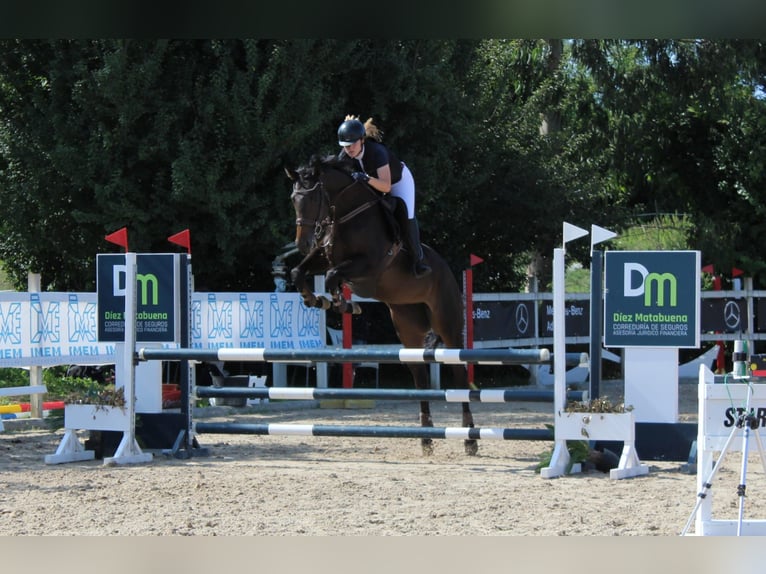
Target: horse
<point>346,230</point>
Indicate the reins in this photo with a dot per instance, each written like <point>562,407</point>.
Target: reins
<point>330,220</point>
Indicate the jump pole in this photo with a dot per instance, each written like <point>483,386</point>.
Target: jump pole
<point>451,395</point>
<point>448,356</point>
<point>331,355</point>
<point>431,395</point>
<point>462,433</point>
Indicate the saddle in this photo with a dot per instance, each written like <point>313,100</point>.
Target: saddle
<point>395,212</point>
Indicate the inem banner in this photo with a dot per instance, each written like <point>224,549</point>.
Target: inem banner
<point>255,320</point>
<point>47,329</point>
<point>652,299</point>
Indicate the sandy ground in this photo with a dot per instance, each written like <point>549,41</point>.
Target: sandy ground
<point>306,486</point>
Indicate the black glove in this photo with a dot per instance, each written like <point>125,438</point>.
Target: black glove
<point>360,176</point>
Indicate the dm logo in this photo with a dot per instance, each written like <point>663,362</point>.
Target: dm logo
<point>145,283</point>
<point>650,284</point>
<point>652,299</point>
<point>156,287</point>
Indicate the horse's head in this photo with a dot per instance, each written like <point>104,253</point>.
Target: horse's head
<point>313,185</point>
<point>310,204</point>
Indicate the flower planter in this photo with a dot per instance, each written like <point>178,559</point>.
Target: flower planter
<point>96,417</point>
<point>595,426</point>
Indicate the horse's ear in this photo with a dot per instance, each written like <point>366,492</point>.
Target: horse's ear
<point>293,175</point>
<point>315,161</point>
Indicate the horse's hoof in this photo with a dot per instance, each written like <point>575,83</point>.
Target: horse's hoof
<point>471,447</point>
<point>428,446</point>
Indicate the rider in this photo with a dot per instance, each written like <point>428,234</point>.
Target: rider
<point>384,172</point>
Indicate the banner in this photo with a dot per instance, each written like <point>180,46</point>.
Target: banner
<point>652,299</point>
<point>47,329</point>
<point>254,320</point>
<point>156,301</point>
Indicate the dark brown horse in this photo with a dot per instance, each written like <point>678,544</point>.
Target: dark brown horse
<point>346,231</point>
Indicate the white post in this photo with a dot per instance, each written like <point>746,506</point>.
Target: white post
<point>34,284</point>
<point>128,450</point>
<point>560,457</point>
<point>70,449</point>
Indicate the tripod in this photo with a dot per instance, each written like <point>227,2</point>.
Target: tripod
<point>746,421</point>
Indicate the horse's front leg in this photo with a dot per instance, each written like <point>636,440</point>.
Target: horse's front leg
<point>299,276</point>
<point>334,279</point>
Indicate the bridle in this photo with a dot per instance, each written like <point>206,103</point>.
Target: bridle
<point>305,221</point>
<point>329,220</point>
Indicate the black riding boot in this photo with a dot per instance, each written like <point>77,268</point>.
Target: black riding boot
<point>419,266</point>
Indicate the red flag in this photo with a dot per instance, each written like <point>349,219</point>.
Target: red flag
<point>736,272</point>
<point>708,269</point>
<point>475,260</point>
<point>119,237</point>
<point>182,238</point>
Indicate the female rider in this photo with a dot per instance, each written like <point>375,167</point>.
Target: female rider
<point>384,172</point>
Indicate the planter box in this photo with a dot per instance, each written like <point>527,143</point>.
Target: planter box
<point>595,426</point>
<point>96,417</point>
<point>592,427</point>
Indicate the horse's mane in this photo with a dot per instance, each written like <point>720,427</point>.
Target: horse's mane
<point>319,162</point>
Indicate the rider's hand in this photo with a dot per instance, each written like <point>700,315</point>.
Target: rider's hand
<point>360,176</point>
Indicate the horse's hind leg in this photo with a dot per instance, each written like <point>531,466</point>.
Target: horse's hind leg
<point>412,325</point>
<point>426,444</point>
<point>420,376</point>
<point>471,445</point>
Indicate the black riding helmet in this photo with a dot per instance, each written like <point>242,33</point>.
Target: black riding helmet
<point>350,131</point>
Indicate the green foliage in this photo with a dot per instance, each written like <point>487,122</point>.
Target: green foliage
<point>60,387</point>
<point>578,453</point>
<point>577,280</point>
<point>13,377</point>
<point>661,232</point>
<point>505,138</point>
<point>5,283</point>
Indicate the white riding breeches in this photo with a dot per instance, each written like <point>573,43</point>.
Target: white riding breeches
<point>405,188</point>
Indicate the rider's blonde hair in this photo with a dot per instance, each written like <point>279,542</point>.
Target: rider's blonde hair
<point>370,129</point>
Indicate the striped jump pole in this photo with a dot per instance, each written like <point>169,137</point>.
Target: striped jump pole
<point>333,355</point>
<point>450,395</point>
<point>462,433</point>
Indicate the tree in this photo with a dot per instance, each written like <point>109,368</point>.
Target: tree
<point>684,117</point>
<point>161,135</point>
<point>156,136</point>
